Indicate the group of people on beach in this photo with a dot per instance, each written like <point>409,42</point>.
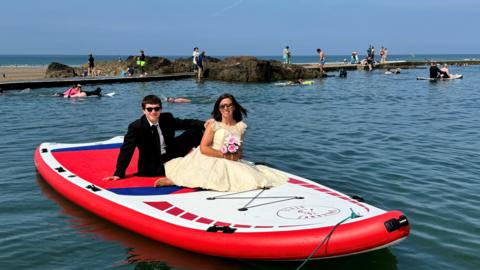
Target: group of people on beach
<point>216,164</point>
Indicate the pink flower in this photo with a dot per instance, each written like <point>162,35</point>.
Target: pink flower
<point>231,145</point>
<point>233,140</point>
<point>232,148</point>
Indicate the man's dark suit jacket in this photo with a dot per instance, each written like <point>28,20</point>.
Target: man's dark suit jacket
<point>140,135</point>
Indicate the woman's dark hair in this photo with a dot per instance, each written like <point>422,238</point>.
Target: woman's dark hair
<point>238,111</point>
<point>151,99</point>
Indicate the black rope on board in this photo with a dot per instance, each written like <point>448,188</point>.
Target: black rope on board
<point>245,208</point>
<point>252,199</point>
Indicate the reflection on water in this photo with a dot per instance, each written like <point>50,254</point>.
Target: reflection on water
<point>139,250</point>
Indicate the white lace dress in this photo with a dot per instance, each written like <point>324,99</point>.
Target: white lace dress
<point>198,170</point>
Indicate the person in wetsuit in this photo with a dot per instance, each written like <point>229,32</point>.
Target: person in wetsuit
<point>434,71</point>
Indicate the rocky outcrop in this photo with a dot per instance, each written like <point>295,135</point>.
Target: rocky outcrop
<point>240,69</point>
<point>58,70</point>
<point>181,65</point>
<point>230,69</point>
<point>281,71</point>
<point>250,69</point>
<point>153,65</point>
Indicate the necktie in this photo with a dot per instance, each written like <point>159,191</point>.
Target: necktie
<point>156,138</point>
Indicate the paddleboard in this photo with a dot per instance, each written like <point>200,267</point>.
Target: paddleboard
<point>288,222</point>
<point>452,77</point>
<point>294,83</point>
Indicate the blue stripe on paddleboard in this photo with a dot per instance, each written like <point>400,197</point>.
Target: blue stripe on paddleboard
<point>138,191</point>
<point>89,147</point>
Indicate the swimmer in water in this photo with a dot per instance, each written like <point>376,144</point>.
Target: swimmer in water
<point>178,100</point>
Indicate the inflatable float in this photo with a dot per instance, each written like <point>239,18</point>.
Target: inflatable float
<point>298,220</point>
<point>110,94</point>
<point>452,77</point>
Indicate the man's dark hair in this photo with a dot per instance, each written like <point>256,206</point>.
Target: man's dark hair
<point>151,99</point>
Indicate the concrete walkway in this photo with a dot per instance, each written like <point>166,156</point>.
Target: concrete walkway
<point>389,64</point>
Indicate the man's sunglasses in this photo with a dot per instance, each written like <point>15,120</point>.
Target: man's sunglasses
<point>150,109</point>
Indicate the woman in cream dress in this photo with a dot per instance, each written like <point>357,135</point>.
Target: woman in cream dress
<point>208,168</point>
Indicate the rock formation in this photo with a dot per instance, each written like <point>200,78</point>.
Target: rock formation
<point>58,70</point>
<point>230,69</point>
<point>250,69</point>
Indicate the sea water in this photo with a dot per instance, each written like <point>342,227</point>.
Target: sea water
<point>397,142</point>
<point>78,60</point>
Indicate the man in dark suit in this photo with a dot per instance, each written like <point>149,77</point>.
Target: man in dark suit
<point>154,136</point>
<point>434,71</point>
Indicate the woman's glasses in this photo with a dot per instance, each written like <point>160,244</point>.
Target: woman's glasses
<point>150,109</point>
<point>227,106</point>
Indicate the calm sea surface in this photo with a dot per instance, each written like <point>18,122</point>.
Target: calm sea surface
<point>397,142</point>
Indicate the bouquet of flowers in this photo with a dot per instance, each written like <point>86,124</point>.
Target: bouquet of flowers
<point>231,145</point>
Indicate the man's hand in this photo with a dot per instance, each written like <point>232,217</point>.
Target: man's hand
<point>208,122</point>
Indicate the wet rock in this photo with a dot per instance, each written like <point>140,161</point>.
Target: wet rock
<point>251,69</point>
<point>240,69</point>
<point>281,72</point>
<point>58,70</point>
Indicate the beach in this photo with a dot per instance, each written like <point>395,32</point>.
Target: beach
<point>8,74</point>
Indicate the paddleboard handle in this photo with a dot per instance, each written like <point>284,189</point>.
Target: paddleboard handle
<point>395,224</point>
<point>358,198</point>
<point>93,188</point>
<point>224,229</point>
<point>60,169</point>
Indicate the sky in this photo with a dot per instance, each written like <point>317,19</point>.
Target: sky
<point>238,27</point>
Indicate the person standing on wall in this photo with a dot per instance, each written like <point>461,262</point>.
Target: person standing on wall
<point>286,55</point>
<point>321,55</point>
<point>141,62</point>
<point>201,65</point>
<point>91,65</point>
<point>195,56</point>
<point>382,55</point>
